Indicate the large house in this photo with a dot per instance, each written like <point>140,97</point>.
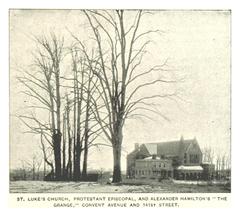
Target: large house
<point>180,159</point>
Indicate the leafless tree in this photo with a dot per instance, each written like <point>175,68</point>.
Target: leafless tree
<point>208,155</point>
<point>224,165</point>
<point>42,85</point>
<point>86,126</point>
<point>80,125</point>
<point>34,166</point>
<point>23,170</point>
<point>68,131</point>
<point>218,166</point>
<point>121,49</point>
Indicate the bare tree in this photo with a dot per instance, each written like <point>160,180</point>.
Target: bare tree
<point>121,50</point>
<point>45,154</point>
<point>69,164</point>
<point>78,70</point>
<point>208,155</point>
<point>225,169</point>
<point>64,172</point>
<point>80,125</point>
<point>218,166</point>
<point>34,166</point>
<point>23,170</point>
<point>43,86</point>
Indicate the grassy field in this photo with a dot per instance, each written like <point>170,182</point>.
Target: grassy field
<point>127,186</point>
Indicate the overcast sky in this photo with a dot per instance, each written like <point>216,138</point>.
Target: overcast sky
<point>197,44</point>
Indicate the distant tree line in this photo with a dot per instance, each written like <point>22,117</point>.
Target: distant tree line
<point>221,163</point>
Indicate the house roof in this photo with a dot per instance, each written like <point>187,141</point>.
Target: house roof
<point>173,148</point>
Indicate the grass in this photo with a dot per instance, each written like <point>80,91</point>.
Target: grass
<point>169,186</point>
<point>126,186</point>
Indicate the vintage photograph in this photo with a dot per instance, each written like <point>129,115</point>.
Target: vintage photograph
<point>120,101</point>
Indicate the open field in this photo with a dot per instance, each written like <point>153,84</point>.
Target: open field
<point>125,187</point>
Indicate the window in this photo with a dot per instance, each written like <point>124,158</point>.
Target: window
<point>191,159</point>
<point>194,158</point>
<point>185,158</point>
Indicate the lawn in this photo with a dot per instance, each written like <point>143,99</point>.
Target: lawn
<point>127,186</point>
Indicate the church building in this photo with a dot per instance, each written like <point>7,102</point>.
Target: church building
<point>180,159</point>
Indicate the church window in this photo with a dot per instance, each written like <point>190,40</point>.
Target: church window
<point>185,158</point>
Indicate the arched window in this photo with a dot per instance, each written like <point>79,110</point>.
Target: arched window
<point>185,158</point>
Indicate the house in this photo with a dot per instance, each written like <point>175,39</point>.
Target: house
<point>153,167</point>
<point>180,159</point>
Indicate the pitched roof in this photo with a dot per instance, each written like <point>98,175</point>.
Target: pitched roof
<point>173,148</point>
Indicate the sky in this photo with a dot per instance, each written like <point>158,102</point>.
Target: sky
<point>197,44</point>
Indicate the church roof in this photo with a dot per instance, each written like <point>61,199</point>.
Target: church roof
<point>172,148</point>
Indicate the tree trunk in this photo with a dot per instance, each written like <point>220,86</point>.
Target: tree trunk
<point>84,171</point>
<point>70,158</point>
<point>117,144</point>
<point>77,166</point>
<point>33,173</point>
<point>57,154</point>
<point>86,136</point>
<point>117,177</point>
<point>64,148</point>
<point>44,168</point>
<point>69,166</point>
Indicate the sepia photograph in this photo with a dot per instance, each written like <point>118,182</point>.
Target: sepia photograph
<point>120,101</point>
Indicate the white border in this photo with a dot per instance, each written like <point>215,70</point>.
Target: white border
<point>177,4</point>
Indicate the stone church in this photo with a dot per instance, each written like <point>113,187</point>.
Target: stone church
<point>180,159</point>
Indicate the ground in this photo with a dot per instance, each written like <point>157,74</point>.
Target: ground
<point>125,187</point>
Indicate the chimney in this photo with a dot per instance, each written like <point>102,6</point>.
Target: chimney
<point>136,146</point>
